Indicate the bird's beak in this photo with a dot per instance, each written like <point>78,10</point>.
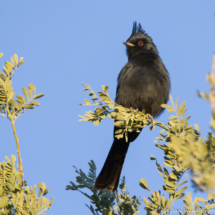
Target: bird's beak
<point>128,44</point>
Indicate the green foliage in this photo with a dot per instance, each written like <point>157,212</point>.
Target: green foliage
<point>15,196</point>
<point>127,119</point>
<point>13,200</point>
<point>106,202</point>
<point>21,103</point>
<point>183,148</point>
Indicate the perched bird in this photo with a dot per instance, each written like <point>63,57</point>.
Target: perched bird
<point>143,83</point>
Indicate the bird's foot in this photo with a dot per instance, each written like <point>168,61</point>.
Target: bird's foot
<point>149,118</point>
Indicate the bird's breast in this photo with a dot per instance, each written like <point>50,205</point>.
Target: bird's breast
<point>143,86</point>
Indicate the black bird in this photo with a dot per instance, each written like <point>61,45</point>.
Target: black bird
<point>143,83</point>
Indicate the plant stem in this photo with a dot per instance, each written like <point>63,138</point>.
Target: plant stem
<point>17,143</point>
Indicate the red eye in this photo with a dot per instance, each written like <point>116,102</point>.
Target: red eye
<point>140,43</point>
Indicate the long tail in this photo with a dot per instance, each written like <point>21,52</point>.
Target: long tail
<point>110,173</point>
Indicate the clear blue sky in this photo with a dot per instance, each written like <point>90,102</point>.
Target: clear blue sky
<point>66,43</point>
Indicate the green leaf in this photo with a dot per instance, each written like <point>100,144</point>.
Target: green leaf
<point>25,92</point>
<point>166,106</point>
<point>12,101</point>
<point>212,205</point>
<point>173,176</point>
<point>87,102</point>
<point>32,87</point>
<point>144,184</point>
<point>170,97</point>
<point>12,60</point>
<point>178,169</point>
<point>181,190</point>
<point>181,108</point>
<point>181,183</point>
<point>197,128</point>
<point>152,157</point>
<point>29,106</point>
<point>34,103</point>
<point>210,197</point>
<point>38,96</point>
<point>169,191</point>
<point>200,200</point>
<point>160,174</point>
<point>170,110</point>
<point>10,96</point>
<point>180,196</point>
<point>168,164</point>
<point>16,58</point>
<point>105,88</point>
<point>20,62</point>
<point>176,103</point>
<point>145,201</point>
<point>30,92</point>
<point>1,54</point>
<point>118,123</point>
<point>4,202</point>
<point>170,184</point>
<point>21,98</point>
<point>183,113</point>
<point>152,127</point>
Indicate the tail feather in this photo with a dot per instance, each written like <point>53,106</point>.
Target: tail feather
<point>111,171</point>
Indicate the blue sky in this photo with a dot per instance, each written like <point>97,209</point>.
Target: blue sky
<point>66,43</point>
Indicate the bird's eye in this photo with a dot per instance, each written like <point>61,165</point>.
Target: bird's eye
<point>140,43</point>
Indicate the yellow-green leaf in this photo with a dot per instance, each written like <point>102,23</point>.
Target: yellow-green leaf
<point>105,88</point>
<point>16,58</point>
<point>210,197</point>
<point>166,106</point>
<point>180,196</point>
<point>12,101</point>
<point>118,123</point>
<point>10,96</point>
<point>181,190</point>
<point>145,201</point>
<point>181,108</point>
<point>25,92</point>
<point>200,200</point>
<point>12,60</point>
<point>38,96</point>
<point>170,97</point>
<point>87,102</point>
<point>32,87</point>
<point>212,205</point>
<point>20,62</point>
<point>168,164</point>
<point>30,92</point>
<point>181,183</point>
<point>144,184</point>
<point>29,106</point>
<point>173,176</point>
<point>35,103</point>
<point>197,128</point>
<point>4,202</point>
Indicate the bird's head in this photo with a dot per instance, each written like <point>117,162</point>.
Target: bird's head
<point>139,41</point>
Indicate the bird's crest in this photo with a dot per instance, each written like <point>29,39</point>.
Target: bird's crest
<point>137,28</point>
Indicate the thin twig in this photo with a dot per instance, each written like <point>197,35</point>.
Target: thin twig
<point>17,143</point>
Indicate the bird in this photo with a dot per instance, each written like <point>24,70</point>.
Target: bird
<point>143,84</point>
